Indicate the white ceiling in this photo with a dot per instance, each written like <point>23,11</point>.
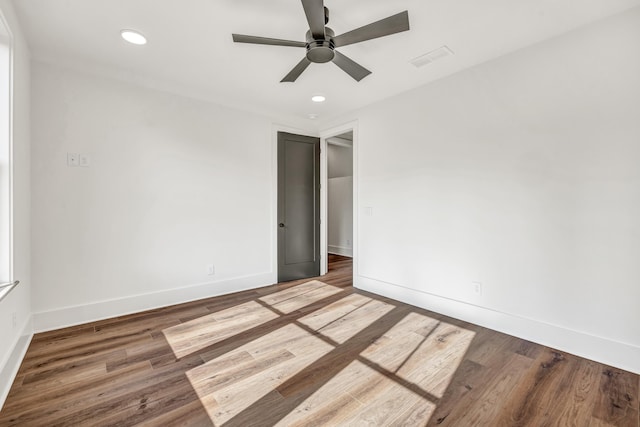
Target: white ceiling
<point>190,51</point>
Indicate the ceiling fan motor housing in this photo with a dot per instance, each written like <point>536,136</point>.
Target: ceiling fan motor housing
<point>321,50</point>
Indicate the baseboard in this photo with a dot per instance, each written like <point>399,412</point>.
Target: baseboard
<point>10,368</point>
<point>340,250</point>
<point>100,310</point>
<point>600,349</point>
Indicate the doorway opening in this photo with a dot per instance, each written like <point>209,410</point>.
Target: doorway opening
<point>339,195</point>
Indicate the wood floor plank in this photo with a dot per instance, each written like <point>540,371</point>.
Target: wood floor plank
<point>164,398</point>
<point>534,398</point>
<point>310,352</point>
<point>485,404</point>
<point>434,363</point>
<point>325,316</point>
<point>135,353</point>
<point>382,400</point>
<point>170,390</point>
<point>86,346</point>
<point>582,392</point>
<point>467,382</point>
<point>56,335</point>
<point>350,324</point>
<point>207,383</point>
<point>314,291</point>
<point>617,401</point>
<point>74,367</point>
<point>289,293</point>
<point>265,374</point>
<point>23,409</point>
<point>195,335</point>
<point>191,414</point>
<point>332,403</point>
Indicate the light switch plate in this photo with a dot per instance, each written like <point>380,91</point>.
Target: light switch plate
<point>84,160</point>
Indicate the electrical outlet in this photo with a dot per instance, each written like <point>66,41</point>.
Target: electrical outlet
<point>477,288</point>
<point>348,242</point>
<point>14,320</point>
<point>72,159</point>
<point>211,270</point>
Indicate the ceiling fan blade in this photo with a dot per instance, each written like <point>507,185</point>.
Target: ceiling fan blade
<point>384,27</point>
<point>241,38</point>
<point>355,70</point>
<point>297,70</point>
<point>314,9</point>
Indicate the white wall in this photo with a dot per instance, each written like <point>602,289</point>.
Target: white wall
<point>339,160</point>
<point>522,174</point>
<point>174,185</point>
<point>340,213</point>
<point>15,339</point>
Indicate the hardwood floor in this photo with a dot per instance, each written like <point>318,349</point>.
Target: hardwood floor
<point>311,352</point>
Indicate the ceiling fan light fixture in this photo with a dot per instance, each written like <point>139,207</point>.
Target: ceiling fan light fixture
<point>318,98</point>
<point>133,37</point>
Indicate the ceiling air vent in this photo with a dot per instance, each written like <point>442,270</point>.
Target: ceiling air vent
<point>432,56</point>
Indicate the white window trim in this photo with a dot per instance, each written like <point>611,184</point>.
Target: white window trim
<point>8,41</point>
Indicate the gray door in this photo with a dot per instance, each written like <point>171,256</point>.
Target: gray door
<point>298,207</point>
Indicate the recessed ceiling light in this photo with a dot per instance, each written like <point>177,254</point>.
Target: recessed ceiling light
<point>313,116</point>
<point>133,37</point>
<point>318,98</point>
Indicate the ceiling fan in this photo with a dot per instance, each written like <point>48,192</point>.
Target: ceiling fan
<point>321,41</point>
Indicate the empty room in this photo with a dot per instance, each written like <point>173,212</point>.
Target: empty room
<point>320,213</point>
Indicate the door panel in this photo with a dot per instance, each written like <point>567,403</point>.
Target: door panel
<point>298,206</point>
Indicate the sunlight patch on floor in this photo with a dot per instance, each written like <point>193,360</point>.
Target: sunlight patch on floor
<point>334,311</point>
<point>229,384</point>
<point>397,379</point>
<point>360,395</point>
<point>422,351</point>
<point>345,318</point>
<point>198,334</point>
<point>289,300</point>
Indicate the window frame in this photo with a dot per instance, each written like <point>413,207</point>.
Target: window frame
<point>6,176</point>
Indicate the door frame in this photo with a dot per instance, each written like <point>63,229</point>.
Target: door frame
<point>324,182</point>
